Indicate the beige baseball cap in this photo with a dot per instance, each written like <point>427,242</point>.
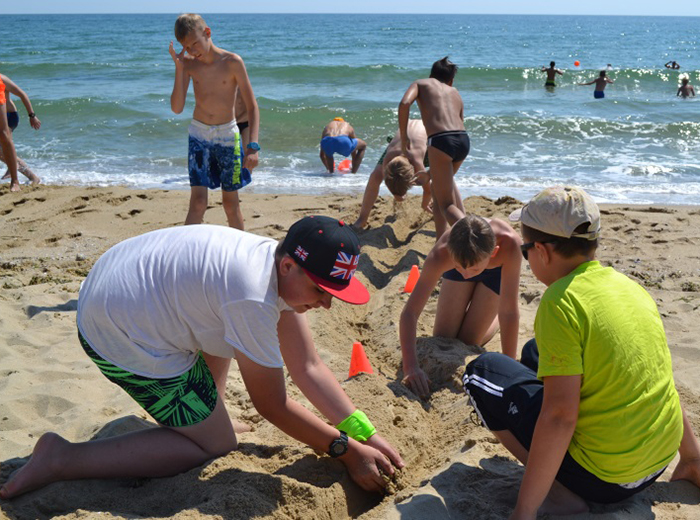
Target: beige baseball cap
<point>559,211</point>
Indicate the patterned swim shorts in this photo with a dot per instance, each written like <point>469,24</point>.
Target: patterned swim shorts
<point>215,156</point>
<point>182,400</point>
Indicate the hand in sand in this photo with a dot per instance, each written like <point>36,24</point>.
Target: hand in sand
<point>380,444</point>
<point>418,381</point>
<point>363,463</point>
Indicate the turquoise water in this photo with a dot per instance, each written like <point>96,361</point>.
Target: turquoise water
<point>101,85</point>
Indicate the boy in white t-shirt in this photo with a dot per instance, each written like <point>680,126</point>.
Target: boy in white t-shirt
<point>162,314</point>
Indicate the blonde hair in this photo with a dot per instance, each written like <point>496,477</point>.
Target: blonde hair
<point>399,175</point>
<point>186,23</point>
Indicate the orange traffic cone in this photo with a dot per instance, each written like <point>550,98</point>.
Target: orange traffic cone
<point>358,361</point>
<point>412,279</point>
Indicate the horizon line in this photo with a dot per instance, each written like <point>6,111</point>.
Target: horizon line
<point>360,14</point>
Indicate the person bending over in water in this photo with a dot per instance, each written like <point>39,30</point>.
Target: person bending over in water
<point>338,136</point>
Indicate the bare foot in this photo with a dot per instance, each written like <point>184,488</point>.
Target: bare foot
<point>561,501</point>
<point>34,179</point>
<point>41,470</point>
<point>14,186</point>
<point>687,470</point>
<point>240,427</point>
<point>7,175</point>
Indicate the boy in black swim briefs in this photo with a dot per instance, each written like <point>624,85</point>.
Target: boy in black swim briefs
<point>442,112</point>
<point>479,261</point>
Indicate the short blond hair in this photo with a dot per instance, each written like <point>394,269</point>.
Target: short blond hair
<point>186,23</point>
<point>399,175</point>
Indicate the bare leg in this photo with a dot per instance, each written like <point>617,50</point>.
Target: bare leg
<point>9,155</point>
<point>218,367</point>
<point>452,307</point>
<point>440,223</point>
<point>442,170</point>
<point>156,452</point>
<point>199,197</point>
<point>327,161</point>
<point>370,197</point>
<point>358,155</point>
<point>560,500</point>
<point>688,467</point>
<point>232,208</point>
<point>481,318</point>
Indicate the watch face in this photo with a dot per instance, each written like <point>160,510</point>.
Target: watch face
<point>254,146</point>
<point>339,448</point>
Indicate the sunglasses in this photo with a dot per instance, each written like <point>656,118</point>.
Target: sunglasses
<point>526,247</point>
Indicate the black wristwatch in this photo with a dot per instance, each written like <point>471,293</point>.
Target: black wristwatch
<point>31,115</point>
<point>339,446</point>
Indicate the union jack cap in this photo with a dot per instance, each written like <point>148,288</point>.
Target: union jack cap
<point>329,252</point>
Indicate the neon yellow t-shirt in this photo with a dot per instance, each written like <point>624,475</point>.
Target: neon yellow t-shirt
<point>598,323</point>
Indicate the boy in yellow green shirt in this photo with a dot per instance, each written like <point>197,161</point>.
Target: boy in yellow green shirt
<point>591,409</point>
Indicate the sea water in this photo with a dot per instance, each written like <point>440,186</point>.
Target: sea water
<point>101,86</point>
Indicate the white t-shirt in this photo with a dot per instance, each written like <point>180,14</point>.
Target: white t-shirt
<point>152,302</point>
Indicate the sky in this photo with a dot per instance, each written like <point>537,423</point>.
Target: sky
<point>589,7</point>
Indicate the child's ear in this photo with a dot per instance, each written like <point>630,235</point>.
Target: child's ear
<point>495,251</point>
<point>286,265</point>
<point>207,32</point>
<point>544,252</point>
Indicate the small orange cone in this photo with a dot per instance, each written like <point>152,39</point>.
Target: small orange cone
<point>358,361</point>
<point>345,165</point>
<point>412,279</point>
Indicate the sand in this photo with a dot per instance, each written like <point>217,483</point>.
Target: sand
<point>51,235</point>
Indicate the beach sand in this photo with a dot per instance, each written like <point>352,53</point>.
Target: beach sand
<point>51,235</point>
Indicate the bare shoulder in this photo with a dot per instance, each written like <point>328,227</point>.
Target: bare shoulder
<point>505,234</point>
<point>232,59</point>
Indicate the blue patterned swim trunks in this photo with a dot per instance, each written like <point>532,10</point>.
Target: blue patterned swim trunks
<point>215,156</point>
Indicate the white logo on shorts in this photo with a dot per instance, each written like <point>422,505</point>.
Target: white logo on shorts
<point>512,409</point>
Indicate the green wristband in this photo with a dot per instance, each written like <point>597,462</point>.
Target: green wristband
<point>357,426</point>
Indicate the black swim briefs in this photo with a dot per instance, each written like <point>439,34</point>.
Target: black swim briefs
<point>454,143</point>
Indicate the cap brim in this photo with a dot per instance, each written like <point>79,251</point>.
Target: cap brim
<point>515,216</point>
<point>355,292</point>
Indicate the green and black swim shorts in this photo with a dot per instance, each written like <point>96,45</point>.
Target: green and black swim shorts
<point>182,400</point>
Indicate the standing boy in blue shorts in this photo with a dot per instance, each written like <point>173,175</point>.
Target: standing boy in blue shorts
<point>591,409</point>
<point>216,157</point>
<point>442,111</point>
<point>339,137</point>
<point>165,330</point>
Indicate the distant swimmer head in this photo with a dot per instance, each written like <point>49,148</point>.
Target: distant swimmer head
<point>399,176</point>
<point>444,70</point>
<point>552,64</point>
<point>602,73</point>
<point>577,63</point>
<point>338,119</point>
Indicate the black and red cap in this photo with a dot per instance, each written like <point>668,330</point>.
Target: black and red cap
<point>328,251</point>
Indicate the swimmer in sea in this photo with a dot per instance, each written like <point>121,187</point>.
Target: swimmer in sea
<point>552,72</point>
